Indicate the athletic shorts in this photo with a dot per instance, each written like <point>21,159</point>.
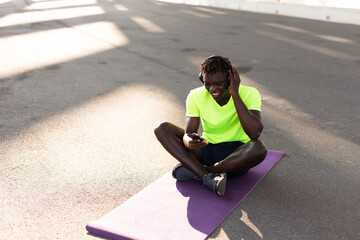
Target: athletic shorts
<point>213,153</point>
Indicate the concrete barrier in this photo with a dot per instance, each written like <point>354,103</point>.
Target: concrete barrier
<point>341,11</point>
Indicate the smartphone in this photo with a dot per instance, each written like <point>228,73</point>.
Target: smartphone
<point>195,136</point>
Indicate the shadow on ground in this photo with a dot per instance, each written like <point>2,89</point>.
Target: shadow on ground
<point>82,57</point>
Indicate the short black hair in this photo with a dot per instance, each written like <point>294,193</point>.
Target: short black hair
<point>215,65</point>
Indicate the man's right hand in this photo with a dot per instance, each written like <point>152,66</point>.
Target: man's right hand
<point>191,142</point>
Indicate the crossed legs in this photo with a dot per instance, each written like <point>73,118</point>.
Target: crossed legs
<point>242,159</point>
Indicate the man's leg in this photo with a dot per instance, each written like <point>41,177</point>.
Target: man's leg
<point>170,136</point>
<point>242,159</point>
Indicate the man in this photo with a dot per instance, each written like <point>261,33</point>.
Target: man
<point>230,115</point>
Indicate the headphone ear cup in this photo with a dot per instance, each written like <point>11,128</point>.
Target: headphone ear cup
<point>201,77</point>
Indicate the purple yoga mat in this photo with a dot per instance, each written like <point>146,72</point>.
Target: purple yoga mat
<point>169,209</point>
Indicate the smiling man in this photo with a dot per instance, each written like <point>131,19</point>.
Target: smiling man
<point>230,115</point>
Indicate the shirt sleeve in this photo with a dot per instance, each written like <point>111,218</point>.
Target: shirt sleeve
<point>253,99</point>
<point>192,110</point>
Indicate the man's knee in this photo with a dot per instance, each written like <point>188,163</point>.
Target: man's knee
<point>161,128</point>
<point>258,150</point>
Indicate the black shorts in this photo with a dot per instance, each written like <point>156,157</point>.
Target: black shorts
<point>213,153</point>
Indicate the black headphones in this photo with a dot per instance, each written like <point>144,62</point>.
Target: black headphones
<point>221,59</point>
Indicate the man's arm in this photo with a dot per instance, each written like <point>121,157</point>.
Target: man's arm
<point>192,126</point>
<point>250,119</point>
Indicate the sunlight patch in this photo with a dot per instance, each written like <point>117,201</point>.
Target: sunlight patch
<point>197,14</point>
<point>77,42</point>
<point>121,7</point>
<point>147,25</point>
<point>94,141</point>
<point>48,15</point>
<point>59,4</point>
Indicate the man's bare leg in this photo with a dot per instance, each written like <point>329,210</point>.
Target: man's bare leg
<point>242,159</point>
<point>171,137</point>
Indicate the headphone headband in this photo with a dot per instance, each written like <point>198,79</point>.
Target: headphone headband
<point>220,58</point>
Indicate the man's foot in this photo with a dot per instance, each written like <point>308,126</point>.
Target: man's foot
<point>216,182</point>
<point>182,173</point>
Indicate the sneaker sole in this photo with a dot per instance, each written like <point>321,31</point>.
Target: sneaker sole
<point>221,186</point>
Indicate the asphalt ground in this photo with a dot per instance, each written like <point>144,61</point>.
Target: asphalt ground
<point>83,84</point>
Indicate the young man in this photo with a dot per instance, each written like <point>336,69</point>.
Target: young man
<point>230,115</point>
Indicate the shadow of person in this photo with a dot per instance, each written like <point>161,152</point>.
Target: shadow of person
<point>206,210</point>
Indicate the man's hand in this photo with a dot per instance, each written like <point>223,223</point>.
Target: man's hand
<point>192,141</point>
<point>234,82</point>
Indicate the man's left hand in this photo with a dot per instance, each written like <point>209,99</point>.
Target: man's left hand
<point>234,81</point>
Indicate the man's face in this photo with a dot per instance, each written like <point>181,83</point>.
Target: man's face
<point>217,85</point>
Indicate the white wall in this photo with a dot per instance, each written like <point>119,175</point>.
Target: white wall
<point>342,11</point>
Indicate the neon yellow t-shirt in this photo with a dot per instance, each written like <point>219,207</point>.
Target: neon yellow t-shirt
<point>221,123</point>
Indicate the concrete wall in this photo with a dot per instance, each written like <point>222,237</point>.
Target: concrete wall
<point>342,11</point>
<point>349,4</point>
